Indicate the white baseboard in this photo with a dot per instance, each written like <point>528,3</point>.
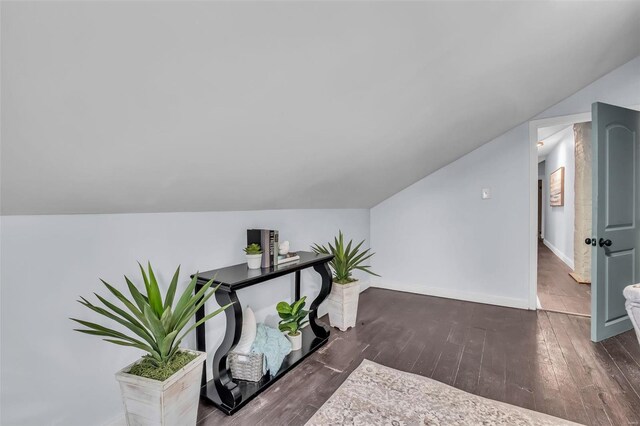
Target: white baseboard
<point>566,259</point>
<point>508,302</point>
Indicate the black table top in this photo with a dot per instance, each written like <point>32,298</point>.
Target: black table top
<point>239,276</point>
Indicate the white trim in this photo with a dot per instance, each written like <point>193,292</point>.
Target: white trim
<point>533,216</point>
<point>533,191</point>
<point>453,294</point>
<point>364,284</point>
<point>542,212</point>
<point>566,259</point>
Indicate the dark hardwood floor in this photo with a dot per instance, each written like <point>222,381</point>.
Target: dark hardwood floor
<point>557,291</point>
<point>542,360</point>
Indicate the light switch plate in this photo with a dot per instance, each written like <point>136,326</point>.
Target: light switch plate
<point>486,193</point>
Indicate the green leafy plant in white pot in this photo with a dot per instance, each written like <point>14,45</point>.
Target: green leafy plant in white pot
<point>163,387</point>
<point>254,256</point>
<point>343,300</point>
<point>292,319</point>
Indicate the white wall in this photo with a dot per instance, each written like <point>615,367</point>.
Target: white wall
<point>52,375</point>
<point>560,220</point>
<point>438,237</point>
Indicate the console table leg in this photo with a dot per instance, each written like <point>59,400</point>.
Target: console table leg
<point>297,285</point>
<point>201,341</point>
<point>320,329</point>
<point>228,391</point>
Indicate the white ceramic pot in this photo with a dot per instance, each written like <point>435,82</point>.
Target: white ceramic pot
<point>254,261</point>
<point>296,341</point>
<point>172,402</point>
<point>632,294</point>
<point>342,304</point>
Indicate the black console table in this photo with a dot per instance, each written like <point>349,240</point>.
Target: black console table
<point>230,395</point>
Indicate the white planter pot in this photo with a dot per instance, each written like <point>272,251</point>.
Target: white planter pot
<point>296,341</point>
<point>172,402</point>
<point>342,304</point>
<point>632,294</point>
<point>254,261</point>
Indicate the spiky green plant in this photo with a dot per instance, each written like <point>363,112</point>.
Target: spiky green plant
<point>345,259</point>
<point>156,326</point>
<point>253,249</point>
<point>292,316</point>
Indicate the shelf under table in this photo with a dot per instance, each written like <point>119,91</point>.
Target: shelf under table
<point>249,390</point>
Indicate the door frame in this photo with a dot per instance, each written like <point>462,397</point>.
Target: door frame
<point>534,125</point>
<point>540,230</point>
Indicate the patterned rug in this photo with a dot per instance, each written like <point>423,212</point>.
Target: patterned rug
<point>377,395</point>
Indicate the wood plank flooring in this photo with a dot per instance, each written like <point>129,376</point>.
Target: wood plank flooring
<point>541,360</point>
<point>557,291</point>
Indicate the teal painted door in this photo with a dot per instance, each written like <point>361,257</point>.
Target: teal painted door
<point>616,213</point>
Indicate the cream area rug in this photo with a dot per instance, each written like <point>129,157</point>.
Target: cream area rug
<point>377,395</point>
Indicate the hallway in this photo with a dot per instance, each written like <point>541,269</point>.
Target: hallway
<point>557,291</point>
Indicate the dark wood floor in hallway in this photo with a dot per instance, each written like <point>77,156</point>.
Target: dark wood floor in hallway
<point>543,361</point>
<point>557,291</point>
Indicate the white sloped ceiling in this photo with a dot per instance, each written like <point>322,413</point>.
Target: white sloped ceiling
<point>195,106</point>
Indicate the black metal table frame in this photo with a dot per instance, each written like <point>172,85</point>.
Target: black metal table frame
<point>222,390</point>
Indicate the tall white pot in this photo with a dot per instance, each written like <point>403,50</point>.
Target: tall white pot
<point>343,305</point>
<point>168,403</point>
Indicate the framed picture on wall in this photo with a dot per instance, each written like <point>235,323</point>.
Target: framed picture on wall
<point>556,188</point>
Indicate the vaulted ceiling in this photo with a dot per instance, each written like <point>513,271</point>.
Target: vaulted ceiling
<point>198,106</point>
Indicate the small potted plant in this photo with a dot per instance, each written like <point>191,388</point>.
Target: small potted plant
<point>254,256</point>
<point>292,320</point>
<point>163,387</point>
<point>345,291</point>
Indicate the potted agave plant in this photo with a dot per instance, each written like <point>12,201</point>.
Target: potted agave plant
<point>254,256</point>
<point>163,387</point>
<point>345,291</point>
<point>292,320</point>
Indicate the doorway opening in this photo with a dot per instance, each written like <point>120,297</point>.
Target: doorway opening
<point>564,218</point>
<point>539,187</point>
